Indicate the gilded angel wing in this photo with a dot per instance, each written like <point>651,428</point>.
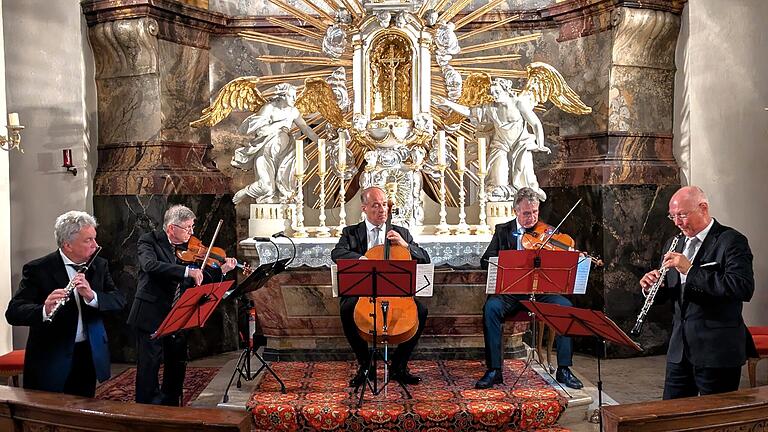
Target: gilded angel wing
<point>546,83</point>
<point>476,91</point>
<point>318,97</point>
<point>240,94</point>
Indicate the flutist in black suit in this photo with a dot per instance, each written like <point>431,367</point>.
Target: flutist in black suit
<point>66,352</point>
<point>709,278</point>
<point>354,242</point>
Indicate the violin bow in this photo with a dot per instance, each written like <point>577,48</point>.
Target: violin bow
<point>210,245</point>
<point>558,225</point>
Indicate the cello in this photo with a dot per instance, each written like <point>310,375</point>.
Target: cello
<point>402,316</point>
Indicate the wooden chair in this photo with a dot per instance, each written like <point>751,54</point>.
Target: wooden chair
<point>11,366</point>
<point>542,351</point>
<point>760,338</point>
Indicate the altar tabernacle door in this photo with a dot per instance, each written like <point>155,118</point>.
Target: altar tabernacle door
<point>536,271</point>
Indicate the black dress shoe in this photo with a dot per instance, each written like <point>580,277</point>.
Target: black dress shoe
<point>359,378</point>
<point>565,376</point>
<point>491,377</point>
<point>404,377</point>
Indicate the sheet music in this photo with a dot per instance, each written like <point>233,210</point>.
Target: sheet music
<point>334,280</point>
<point>493,270</point>
<point>425,277</point>
<point>582,276</point>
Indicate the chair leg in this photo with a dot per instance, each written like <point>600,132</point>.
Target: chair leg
<point>550,344</point>
<point>539,340</point>
<point>752,368</point>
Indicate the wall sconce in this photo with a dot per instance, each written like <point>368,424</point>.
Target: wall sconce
<point>66,157</point>
<point>13,141</point>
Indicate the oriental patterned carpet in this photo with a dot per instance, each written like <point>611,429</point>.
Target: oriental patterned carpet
<point>318,398</point>
<point>122,387</point>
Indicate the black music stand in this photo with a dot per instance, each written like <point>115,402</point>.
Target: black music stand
<point>532,272</point>
<point>376,278</point>
<point>571,321</point>
<point>256,280</point>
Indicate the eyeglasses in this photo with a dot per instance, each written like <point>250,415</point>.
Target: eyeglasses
<point>682,216</point>
<point>189,230</point>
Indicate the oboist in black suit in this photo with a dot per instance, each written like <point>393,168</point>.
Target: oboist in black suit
<point>354,242</point>
<point>709,277</point>
<point>499,306</point>
<point>162,278</point>
<point>66,352</point>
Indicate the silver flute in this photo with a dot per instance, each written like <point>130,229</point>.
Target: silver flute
<point>652,291</point>
<point>70,288</point>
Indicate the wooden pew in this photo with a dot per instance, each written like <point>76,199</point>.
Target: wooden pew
<point>22,410</point>
<point>745,410</point>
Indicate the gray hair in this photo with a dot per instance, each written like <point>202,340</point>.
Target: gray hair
<point>367,191</point>
<point>526,194</point>
<point>176,215</point>
<point>69,224</point>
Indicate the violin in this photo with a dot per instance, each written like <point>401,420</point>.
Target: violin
<point>536,239</point>
<point>403,317</point>
<point>196,251</point>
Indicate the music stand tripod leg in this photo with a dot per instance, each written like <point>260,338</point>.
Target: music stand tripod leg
<point>242,363</point>
<point>265,365</point>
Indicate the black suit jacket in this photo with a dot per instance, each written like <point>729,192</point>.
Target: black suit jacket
<point>354,243</point>
<point>48,357</point>
<point>159,275</point>
<point>504,238</point>
<point>708,320</point>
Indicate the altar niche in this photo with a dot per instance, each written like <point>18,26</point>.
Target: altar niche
<point>391,72</point>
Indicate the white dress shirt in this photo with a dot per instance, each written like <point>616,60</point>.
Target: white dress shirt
<point>371,234</point>
<point>701,236</point>
<point>80,334</point>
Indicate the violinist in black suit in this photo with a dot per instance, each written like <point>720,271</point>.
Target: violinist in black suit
<point>709,278</point>
<point>354,242</point>
<point>498,307</point>
<point>66,351</point>
<point>162,279</point>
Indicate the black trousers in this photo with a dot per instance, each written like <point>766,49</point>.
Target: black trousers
<point>685,380</point>
<point>172,352</point>
<point>81,380</point>
<point>360,346</point>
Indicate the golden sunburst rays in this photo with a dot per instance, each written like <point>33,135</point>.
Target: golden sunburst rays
<point>500,43</point>
<point>295,29</point>
<point>453,10</point>
<point>303,16</point>
<point>484,59</point>
<point>488,27</point>
<point>477,13</point>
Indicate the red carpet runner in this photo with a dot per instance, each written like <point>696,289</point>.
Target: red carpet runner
<point>122,387</point>
<point>318,398</point>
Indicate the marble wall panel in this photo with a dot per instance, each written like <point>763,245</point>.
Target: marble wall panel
<point>129,109</point>
<point>123,219</point>
<point>184,91</point>
<point>640,100</point>
<point>645,37</point>
<point>125,47</point>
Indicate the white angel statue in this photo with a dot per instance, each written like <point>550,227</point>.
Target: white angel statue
<point>515,130</point>
<point>271,152</point>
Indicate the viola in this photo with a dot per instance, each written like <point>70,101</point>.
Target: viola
<point>403,317</point>
<point>537,239</point>
<point>196,251</point>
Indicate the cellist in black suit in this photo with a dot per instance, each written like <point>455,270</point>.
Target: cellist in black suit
<point>354,242</point>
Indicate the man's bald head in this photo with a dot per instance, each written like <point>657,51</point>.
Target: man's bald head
<point>689,210</point>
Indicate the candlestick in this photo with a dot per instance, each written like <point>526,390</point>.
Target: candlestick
<point>342,191</point>
<point>321,156</point>
<point>463,227</point>
<point>299,165</point>
<point>441,148</point>
<point>481,154</point>
<point>461,162</point>
<point>342,151</point>
<point>300,230</point>
<point>322,230</point>
<point>482,228</point>
<point>66,161</point>
<point>443,228</point>
<point>13,119</point>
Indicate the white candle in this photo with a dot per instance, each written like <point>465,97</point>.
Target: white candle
<point>481,154</point>
<point>460,149</point>
<point>321,155</point>
<point>342,151</point>
<point>299,157</point>
<point>441,148</point>
<point>13,119</point>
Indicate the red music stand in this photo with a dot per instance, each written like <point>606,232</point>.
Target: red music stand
<point>571,321</point>
<point>376,278</point>
<point>536,272</point>
<point>193,308</point>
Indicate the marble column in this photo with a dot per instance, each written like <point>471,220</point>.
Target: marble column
<point>619,159</point>
<point>152,79</point>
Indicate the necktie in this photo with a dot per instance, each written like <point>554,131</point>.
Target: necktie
<point>78,267</point>
<point>376,236</point>
<point>689,251</point>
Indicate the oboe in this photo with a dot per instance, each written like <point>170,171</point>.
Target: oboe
<point>70,288</point>
<point>652,292</point>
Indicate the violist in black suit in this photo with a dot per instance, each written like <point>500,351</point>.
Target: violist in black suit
<point>710,276</point>
<point>498,307</point>
<point>67,351</point>
<point>354,242</point>
<point>162,279</point>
